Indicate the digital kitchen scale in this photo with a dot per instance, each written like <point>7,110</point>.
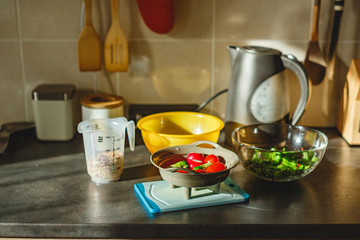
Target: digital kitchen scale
<point>159,197</point>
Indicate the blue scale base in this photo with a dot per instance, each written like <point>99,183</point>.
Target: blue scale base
<point>159,197</point>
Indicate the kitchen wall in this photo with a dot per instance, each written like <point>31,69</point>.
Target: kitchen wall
<point>38,44</point>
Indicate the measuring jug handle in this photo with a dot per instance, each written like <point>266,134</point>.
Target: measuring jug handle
<point>130,129</point>
<point>290,62</point>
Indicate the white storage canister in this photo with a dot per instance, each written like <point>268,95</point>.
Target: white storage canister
<point>97,106</point>
<point>54,106</point>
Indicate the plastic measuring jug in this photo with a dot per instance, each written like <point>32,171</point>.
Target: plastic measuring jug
<point>104,143</point>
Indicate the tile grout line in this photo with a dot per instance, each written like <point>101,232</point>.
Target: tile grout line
<point>117,91</point>
<point>176,40</point>
<point>212,81</point>
<point>22,63</point>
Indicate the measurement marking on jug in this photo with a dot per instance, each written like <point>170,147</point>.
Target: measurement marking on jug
<point>113,149</point>
<point>100,139</point>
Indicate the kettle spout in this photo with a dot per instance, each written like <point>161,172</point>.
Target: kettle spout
<point>233,51</point>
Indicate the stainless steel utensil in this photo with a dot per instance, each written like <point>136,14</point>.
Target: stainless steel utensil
<point>9,128</point>
<point>338,9</point>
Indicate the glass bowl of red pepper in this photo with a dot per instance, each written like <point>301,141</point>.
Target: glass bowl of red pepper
<point>279,152</point>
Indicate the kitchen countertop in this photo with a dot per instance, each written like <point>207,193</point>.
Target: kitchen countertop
<point>45,192</point>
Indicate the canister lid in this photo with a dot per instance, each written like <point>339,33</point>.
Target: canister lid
<point>102,101</point>
<point>53,92</point>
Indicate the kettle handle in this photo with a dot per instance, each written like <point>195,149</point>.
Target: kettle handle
<point>290,62</point>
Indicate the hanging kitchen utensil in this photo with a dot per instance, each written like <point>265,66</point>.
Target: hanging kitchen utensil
<point>158,15</point>
<point>333,83</point>
<point>116,45</point>
<point>314,62</point>
<point>89,44</point>
<point>338,9</point>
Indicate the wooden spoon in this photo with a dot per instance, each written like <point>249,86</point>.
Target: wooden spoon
<point>116,46</point>
<point>89,47</point>
<point>314,62</point>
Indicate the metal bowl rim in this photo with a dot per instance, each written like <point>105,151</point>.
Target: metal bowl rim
<point>221,149</point>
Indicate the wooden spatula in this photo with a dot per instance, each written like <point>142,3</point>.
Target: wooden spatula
<point>314,62</point>
<point>116,46</point>
<point>89,46</point>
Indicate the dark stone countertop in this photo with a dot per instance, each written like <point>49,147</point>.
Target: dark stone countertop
<point>45,192</point>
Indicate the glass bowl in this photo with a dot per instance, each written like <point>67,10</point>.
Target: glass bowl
<point>279,152</point>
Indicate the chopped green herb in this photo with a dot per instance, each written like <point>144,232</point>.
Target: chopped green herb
<point>202,166</point>
<point>180,164</point>
<point>279,165</point>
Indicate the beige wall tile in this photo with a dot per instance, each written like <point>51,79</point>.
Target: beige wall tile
<point>222,73</point>
<point>8,20</point>
<point>258,19</point>
<point>193,19</point>
<point>56,19</point>
<point>11,85</point>
<point>159,72</point>
<point>101,16</point>
<point>350,27</point>
<point>193,56</point>
<point>52,63</point>
<point>166,72</point>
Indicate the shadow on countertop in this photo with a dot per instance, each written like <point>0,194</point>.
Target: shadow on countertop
<point>24,146</point>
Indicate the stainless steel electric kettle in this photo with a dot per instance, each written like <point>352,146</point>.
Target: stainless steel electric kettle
<point>258,90</point>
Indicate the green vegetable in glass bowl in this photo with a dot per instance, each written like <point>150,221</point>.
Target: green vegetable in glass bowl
<point>277,165</point>
<point>279,152</point>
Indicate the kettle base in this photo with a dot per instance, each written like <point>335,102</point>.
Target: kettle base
<point>231,126</point>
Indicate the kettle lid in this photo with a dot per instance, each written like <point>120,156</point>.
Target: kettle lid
<point>260,50</point>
